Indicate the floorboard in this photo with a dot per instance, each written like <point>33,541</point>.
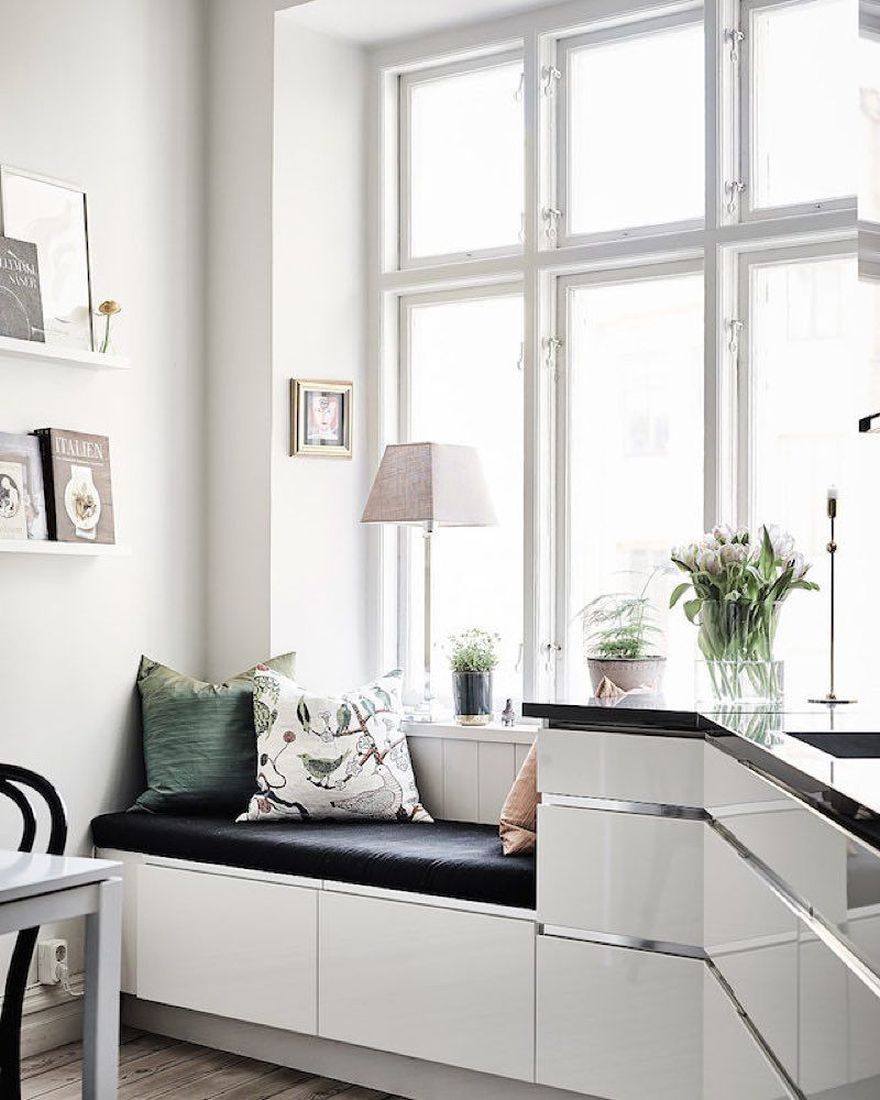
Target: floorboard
<point>152,1067</point>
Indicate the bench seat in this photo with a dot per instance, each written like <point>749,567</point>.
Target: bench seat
<point>446,859</point>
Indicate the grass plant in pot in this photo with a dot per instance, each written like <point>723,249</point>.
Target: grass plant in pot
<point>619,634</point>
<point>473,658</point>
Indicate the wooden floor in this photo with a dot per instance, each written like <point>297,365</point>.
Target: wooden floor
<point>152,1066</point>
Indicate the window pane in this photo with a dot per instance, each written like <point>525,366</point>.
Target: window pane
<point>466,388</point>
<point>802,103</point>
<point>636,451</point>
<point>636,132</point>
<point>869,67</point>
<point>466,162</point>
<point>814,373</point>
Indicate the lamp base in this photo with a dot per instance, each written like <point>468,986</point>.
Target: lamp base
<point>830,700</point>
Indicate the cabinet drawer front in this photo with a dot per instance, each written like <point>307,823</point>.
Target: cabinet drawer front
<point>621,874</point>
<point>438,984</point>
<point>623,1025</point>
<point>228,946</point>
<point>629,767</point>
<point>752,938</point>
<point>632,1025</point>
<point>802,849</point>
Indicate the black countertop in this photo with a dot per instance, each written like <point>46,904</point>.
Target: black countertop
<point>828,756</point>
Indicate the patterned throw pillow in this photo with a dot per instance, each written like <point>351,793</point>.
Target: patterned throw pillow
<point>331,758</point>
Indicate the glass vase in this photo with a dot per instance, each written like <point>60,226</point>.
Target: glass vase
<point>738,666</point>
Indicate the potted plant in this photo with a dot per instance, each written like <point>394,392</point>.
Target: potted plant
<point>618,633</point>
<point>739,581</point>
<point>473,657</point>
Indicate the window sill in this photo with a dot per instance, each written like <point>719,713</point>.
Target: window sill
<point>520,734</point>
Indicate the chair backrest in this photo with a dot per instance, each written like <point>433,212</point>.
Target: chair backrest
<point>20,786</point>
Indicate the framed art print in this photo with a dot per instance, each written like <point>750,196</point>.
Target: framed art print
<point>321,418</point>
<point>52,216</point>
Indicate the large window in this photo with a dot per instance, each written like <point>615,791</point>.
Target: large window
<point>634,443</point>
<point>463,141</point>
<point>869,136</point>
<point>465,385</point>
<point>801,142</point>
<point>617,258</point>
<point>811,378</point>
<point>634,103</point>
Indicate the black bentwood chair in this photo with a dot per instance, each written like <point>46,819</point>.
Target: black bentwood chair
<point>20,785</point>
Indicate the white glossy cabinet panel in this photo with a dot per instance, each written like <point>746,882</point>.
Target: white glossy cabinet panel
<point>726,782</point>
<point>621,874</point>
<point>752,937</point>
<point>839,1027</point>
<point>629,767</point>
<point>437,984</point>
<point>734,1066</point>
<point>228,946</point>
<point>619,1024</point>
<point>802,849</point>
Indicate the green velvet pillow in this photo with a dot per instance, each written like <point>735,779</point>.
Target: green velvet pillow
<point>200,747</point>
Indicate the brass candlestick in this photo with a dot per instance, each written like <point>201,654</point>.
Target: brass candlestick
<point>831,699</point>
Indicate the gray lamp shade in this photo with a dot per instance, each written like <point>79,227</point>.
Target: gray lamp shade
<point>430,484</point>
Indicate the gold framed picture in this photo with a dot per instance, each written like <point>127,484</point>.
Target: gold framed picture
<point>321,418</point>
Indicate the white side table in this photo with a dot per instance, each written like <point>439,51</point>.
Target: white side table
<point>38,889</point>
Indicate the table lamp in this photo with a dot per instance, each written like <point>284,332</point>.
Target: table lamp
<point>430,485</point>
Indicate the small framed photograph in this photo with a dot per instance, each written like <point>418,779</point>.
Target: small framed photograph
<point>51,215</point>
<point>320,418</point>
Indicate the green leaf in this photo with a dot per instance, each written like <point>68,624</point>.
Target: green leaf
<point>302,713</point>
<point>692,609</point>
<point>678,592</point>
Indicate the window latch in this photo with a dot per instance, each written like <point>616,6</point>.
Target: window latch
<point>552,651</point>
<point>735,327</point>
<point>735,37</point>
<point>733,189</point>
<point>552,346</point>
<point>550,77</point>
<point>552,217</point>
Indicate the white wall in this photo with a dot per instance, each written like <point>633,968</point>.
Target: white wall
<point>239,327</point>
<point>110,94</point>
<point>320,580</point>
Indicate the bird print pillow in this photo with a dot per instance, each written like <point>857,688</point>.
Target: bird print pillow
<point>340,758</point>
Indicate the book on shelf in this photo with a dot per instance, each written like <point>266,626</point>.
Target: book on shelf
<point>21,304</point>
<point>24,451</point>
<point>79,496</point>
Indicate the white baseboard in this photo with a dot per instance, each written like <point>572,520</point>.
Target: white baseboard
<point>50,1018</point>
<point>363,1066</point>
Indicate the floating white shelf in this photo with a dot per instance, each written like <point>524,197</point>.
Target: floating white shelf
<point>51,353</point>
<point>68,549</point>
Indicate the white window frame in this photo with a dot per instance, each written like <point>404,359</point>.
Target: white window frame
<point>564,609</point>
<point>747,263</point>
<point>408,81</point>
<point>406,303</point>
<point>748,211</point>
<point>869,27</point>
<point>560,235</point>
<point>720,244</point>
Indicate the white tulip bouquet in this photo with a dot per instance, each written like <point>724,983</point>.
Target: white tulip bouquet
<point>739,582</point>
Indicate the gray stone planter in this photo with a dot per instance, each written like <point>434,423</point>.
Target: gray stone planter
<point>628,673</point>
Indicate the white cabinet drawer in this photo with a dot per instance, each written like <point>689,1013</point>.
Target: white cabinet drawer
<point>637,1025</point>
<point>438,984</point>
<point>628,767</point>
<point>621,874</point>
<point>623,1025</point>
<point>228,946</point>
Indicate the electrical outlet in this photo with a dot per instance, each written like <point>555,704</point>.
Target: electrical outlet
<point>51,958</point>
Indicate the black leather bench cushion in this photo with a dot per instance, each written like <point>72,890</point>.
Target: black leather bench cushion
<point>447,859</point>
